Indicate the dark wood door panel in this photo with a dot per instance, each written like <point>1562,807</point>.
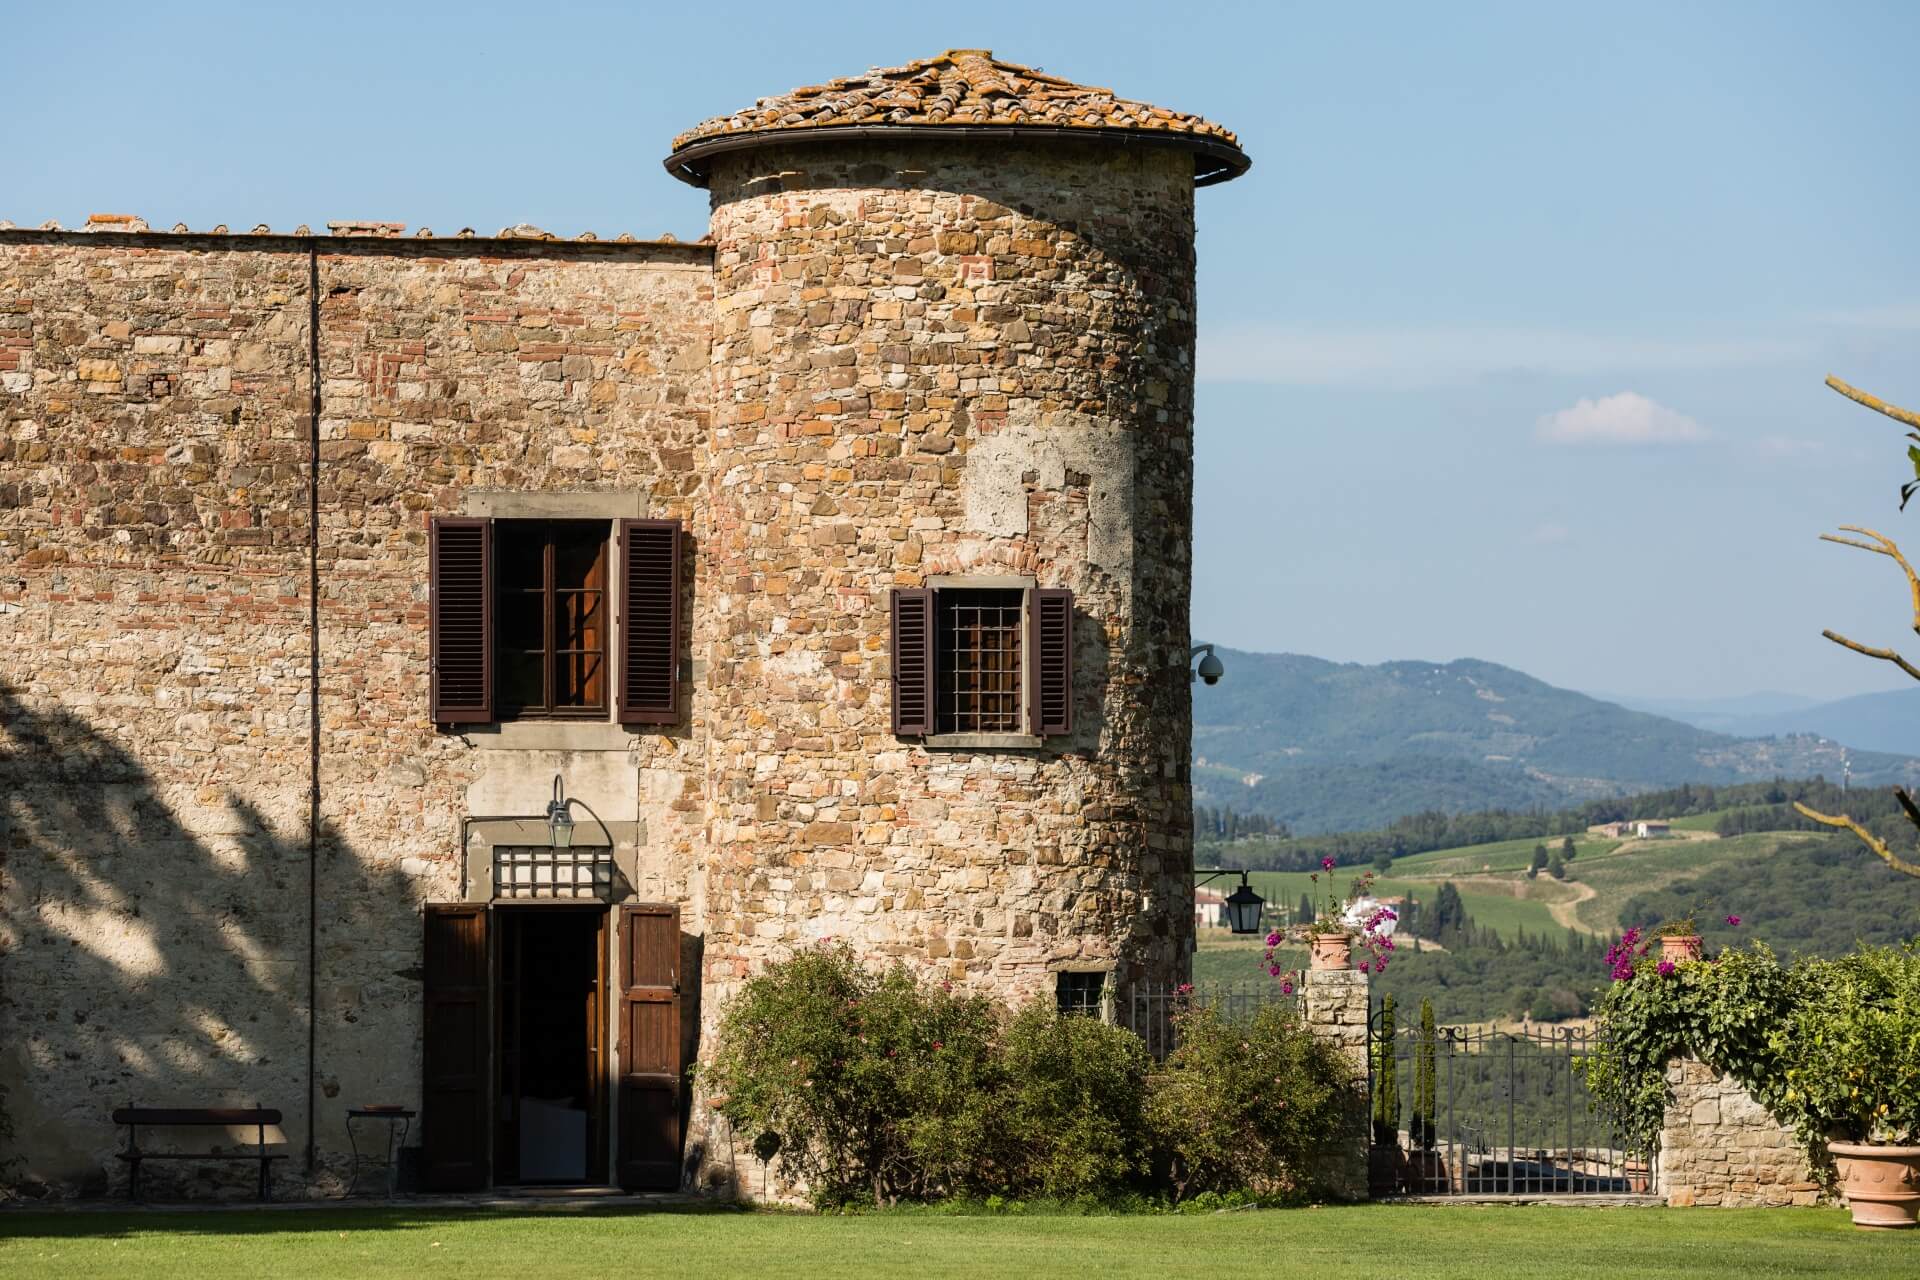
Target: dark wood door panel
<point>455,1061</point>
<point>650,1061</point>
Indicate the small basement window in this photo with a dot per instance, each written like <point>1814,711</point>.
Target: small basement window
<point>1078,994</point>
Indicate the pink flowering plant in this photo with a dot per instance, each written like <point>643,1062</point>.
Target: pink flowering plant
<point>1723,1012</point>
<point>1358,915</point>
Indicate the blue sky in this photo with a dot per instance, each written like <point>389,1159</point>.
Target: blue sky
<point>1512,340</point>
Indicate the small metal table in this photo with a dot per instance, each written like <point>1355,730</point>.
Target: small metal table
<point>399,1122</point>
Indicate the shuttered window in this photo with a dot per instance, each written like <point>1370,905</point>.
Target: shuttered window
<point>1050,624</point>
<point>461,573</point>
<point>519,612</point>
<point>649,621</point>
<point>912,662</point>
<point>982,660</point>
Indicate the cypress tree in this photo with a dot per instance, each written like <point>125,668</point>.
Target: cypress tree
<point>1386,1084</point>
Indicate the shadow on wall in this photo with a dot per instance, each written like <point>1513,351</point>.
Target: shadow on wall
<point>153,951</point>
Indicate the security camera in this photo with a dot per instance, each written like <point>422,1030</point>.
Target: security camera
<point>1211,668</point>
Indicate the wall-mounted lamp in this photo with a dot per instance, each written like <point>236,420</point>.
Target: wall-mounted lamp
<point>1243,904</point>
<point>1210,669</point>
<point>559,821</point>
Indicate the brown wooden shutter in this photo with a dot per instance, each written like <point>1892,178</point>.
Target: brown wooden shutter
<point>461,619</point>
<point>650,1048</point>
<point>649,621</point>
<point>1050,636</point>
<point>913,688</point>
<point>455,1061</point>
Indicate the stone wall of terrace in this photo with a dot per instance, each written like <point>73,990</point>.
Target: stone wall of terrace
<point>1720,1147</point>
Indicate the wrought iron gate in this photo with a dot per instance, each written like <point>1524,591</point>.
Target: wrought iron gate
<point>1509,1116</point>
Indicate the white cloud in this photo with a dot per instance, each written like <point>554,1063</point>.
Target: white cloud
<point>1402,358</point>
<point>1627,418</point>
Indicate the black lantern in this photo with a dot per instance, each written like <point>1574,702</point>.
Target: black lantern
<point>559,821</point>
<point>1243,909</point>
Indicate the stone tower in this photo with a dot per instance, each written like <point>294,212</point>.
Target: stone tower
<point>953,348</point>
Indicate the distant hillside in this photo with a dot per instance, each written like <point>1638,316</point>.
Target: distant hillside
<point>1328,746</point>
<point>1872,721</point>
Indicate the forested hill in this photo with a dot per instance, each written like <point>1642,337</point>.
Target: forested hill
<point>1326,746</point>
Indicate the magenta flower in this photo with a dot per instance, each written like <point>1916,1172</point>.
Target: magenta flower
<point>1273,971</point>
<point>1273,939</point>
<point>1286,986</point>
<point>937,1045</point>
<point>1734,921</point>
<point>1184,989</point>
<point>1365,967</point>
<point>1666,968</point>
<point>1326,863</point>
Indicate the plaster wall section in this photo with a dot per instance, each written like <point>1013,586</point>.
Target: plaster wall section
<point>951,359</point>
<point>153,684</point>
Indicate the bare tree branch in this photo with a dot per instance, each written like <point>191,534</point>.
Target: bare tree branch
<point>1867,838</point>
<point>1886,655</point>
<point>1883,545</point>
<point>1874,403</point>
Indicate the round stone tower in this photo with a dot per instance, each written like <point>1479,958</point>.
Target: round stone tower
<point>953,349</point>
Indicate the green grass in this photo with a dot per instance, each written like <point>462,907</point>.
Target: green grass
<point>1474,1242</point>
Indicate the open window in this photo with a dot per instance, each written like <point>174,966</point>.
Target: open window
<point>982,660</point>
<point>555,619</point>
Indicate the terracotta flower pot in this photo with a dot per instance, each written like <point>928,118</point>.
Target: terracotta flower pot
<point>1332,950</point>
<point>1680,946</point>
<point>1881,1183</point>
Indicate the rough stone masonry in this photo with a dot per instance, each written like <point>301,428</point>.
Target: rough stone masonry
<point>941,333</point>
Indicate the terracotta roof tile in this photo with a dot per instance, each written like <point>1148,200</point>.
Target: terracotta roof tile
<point>962,88</point>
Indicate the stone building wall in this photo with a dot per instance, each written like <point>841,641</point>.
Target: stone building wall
<point>1720,1147</point>
<point>961,359</point>
<point>154,641</point>
<point>153,661</point>
<point>952,360</point>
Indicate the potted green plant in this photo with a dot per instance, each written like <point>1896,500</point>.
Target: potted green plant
<point>1680,938</point>
<point>1851,1048</point>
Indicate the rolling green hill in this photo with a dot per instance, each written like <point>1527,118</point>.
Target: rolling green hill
<point>1326,746</point>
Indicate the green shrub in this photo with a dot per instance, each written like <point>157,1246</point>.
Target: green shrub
<point>1072,1106</point>
<point>1726,1013</point>
<point>864,1085</point>
<point>1851,1046</point>
<point>1250,1105</point>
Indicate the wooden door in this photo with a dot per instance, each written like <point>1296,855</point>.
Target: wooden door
<point>649,1092</point>
<point>456,1063</point>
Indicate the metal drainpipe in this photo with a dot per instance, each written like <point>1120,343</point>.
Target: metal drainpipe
<point>313,686</point>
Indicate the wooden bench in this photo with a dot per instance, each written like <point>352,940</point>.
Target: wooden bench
<point>202,1117</point>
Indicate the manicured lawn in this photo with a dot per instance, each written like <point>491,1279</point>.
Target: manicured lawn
<point>1477,1242</point>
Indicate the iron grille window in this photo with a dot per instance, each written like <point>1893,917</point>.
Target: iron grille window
<point>978,657</point>
<point>531,871</point>
<point>550,618</point>
<point>1078,994</point>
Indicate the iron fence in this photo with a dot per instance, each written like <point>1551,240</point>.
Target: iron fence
<point>1147,1008</point>
<point>1510,1116</point>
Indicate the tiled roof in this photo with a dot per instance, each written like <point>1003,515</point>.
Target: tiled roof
<point>961,88</point>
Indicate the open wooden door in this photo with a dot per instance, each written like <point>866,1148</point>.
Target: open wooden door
<point>649,1092</point>
<point>456,1062</point>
